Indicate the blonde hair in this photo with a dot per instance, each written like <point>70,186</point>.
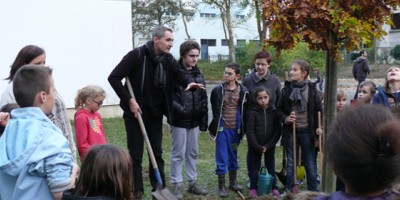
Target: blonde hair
<point>90,91</point>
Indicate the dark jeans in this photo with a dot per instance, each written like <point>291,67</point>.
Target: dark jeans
<point>254,163</point>
<point>360,80</point>
<point>304,140</point>
<point>136,146</point>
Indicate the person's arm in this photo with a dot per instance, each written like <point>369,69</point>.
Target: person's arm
<point>277,92</point>
<point>74,174</point>
<point>81,131</point>
<point>179,77</point>
<point>123,69</point>
<point>366,66</point>
<point>355,69</point>
<point>250,131</point>
<point>204,118</point>
<point>276,130</point>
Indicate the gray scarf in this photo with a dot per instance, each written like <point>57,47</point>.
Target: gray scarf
<point>299,94</point>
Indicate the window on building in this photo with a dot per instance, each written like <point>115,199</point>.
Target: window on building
<point>240,16</point>
<point>208,15</point>
<point>396,21</point>
<point>171,13</point>
<point>224,42</point>
<point>240,42</point>
<point>255,41</point>
<point>209,42</point>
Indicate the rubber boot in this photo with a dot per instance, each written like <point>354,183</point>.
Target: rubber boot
<point>233,185</point>
<point>221,186</point>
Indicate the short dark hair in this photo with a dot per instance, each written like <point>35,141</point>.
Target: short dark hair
<point>362,52</point>
<point>24,57</point>
<point>29,81</point>
<point>263,55</point>
<point>260,89</point>
<point>234,66</point>
<point>160,31</point>
<point>304,65</point>
<point>363,142</point>
<point>187,46</point>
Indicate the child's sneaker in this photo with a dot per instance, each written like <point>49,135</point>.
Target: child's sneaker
<point>275,192</point>
<point>253,193</point>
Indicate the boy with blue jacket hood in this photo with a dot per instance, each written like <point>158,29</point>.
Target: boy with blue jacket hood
<point>35,159</point>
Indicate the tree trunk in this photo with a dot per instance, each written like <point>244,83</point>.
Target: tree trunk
<point>184,20</point>
<point>230,32</point>
<point>328,176</point>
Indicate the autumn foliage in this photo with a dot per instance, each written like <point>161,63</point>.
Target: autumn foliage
<point>315,21</point>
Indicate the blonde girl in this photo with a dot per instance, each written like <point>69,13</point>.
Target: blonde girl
<point>88,122</point>
<point>389,94</point>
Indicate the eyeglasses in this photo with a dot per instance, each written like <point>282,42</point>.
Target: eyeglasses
<point>229,73</point>
<point>98,103</point>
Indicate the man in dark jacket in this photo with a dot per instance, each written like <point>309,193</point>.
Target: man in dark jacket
<point>189,117</point>
<point>360,69</point>
<point>152,71</point>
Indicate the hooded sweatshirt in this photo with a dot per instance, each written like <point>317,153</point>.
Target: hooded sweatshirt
<point>89,130</point>
<point>35,158</point>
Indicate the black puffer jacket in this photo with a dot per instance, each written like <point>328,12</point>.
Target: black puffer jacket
<point>313,107</point>
<point>263,128</point>
<point>360,68</point>
<point>189,108</point>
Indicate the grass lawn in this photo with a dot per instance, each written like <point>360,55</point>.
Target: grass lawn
<point>115,131</point>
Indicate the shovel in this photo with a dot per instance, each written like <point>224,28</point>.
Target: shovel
<point>160,193</point>
<point>300,170</point>
<point>320,141</point>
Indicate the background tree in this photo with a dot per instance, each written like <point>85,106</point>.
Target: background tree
<point>395,53</point>
<point>148,14</point>
<point>187,9</point>
<point>326,25</point>
<point>227,8</point>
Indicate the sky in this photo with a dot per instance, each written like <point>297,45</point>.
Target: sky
<point>83,39</point>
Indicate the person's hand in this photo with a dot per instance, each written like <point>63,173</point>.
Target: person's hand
<point>4,117</point>
<point>195,86</point>
<point>319,131</point>
<point>135,108</point>
<point>264,149</point>
<point>291,118</point>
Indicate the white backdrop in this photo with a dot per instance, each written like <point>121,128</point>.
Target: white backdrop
<point>83,39</point>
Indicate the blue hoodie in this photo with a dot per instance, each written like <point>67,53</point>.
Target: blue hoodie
<point>35,159</point>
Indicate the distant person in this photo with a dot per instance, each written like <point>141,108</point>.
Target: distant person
<point>360,69</point>
<point>153,72</point>
<point>364,148</point>
<point>300,104</point>
<point>5,115</point>
<point>320,79</point>
<point>228,103</point>
<point>35,160</point>
<point>366,92</point>
<point>341,98</point>
<point>190,116</point>
<point>106,174</point>
<point>32,54</point>
<point>263,132</point>
<point>88,122</point>
<point>389,94</point>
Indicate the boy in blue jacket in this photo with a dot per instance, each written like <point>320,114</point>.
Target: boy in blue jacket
<point>35,159</point>
<point>228,102</point>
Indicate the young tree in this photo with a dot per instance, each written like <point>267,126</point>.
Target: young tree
<point>326,25</point>
<point>147,14</point>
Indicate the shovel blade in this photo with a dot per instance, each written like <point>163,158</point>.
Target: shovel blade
<point>163,194</point>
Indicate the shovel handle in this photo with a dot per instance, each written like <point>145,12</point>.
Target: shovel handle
<point>145,137</point>
<point>320,140</point>
<point>294,153</point>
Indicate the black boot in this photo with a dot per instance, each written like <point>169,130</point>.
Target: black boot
<point>221,186</point>
<point>233,185</point>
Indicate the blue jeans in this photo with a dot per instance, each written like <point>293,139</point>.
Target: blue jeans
<point>226,146</point>
<point>306,142</point>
